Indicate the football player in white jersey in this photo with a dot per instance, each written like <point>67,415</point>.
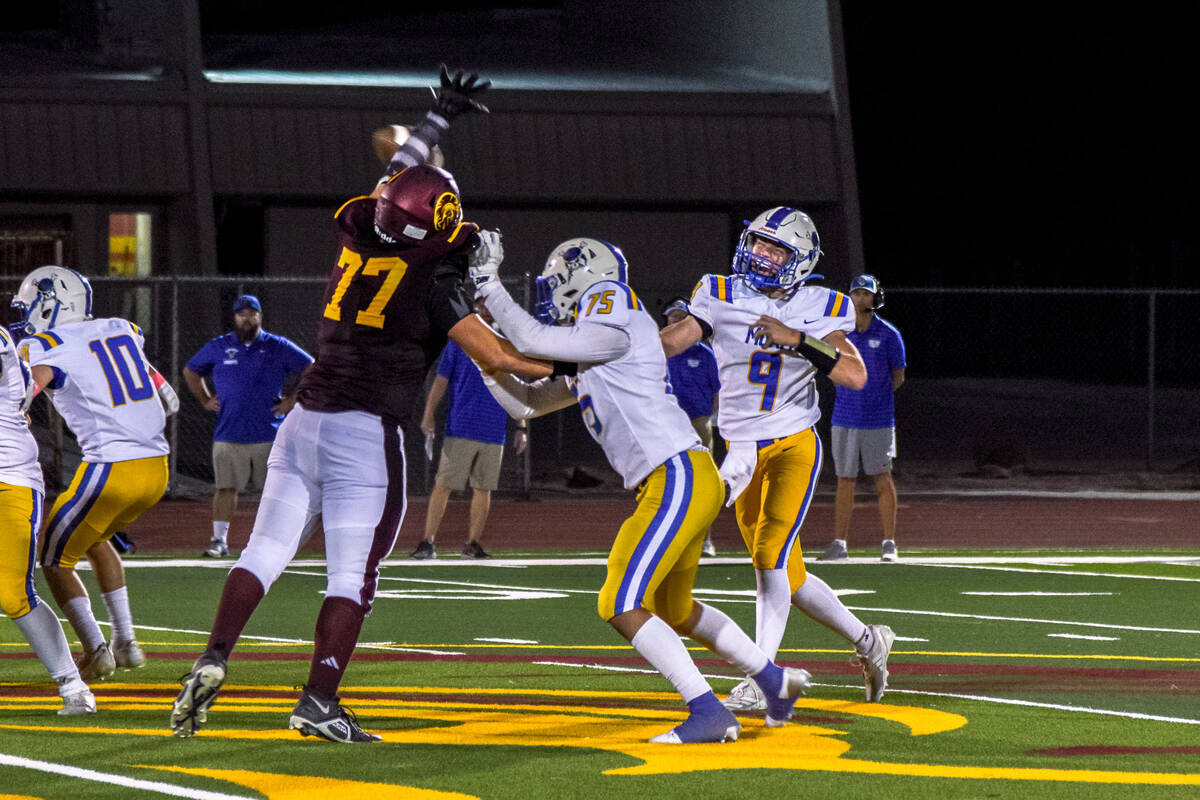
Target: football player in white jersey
<point>116,404</point>
<point>772,335</point>
<point>595,321</point>
<point>21,491</point>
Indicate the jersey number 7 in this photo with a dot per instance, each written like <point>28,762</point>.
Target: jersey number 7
<point>352,264</point>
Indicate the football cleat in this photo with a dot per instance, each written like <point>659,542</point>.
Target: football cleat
<point>425,550</point>
<point>779,709</point>
<point>129,655</point>
<point>709,549</point>
<point>874,662</point>
<point>746,696</point>
<point>888,551</point>
<point>96,665</point>
<point>200,688</point>
<point>474,550</point>
<point>708,722</point>
<point>836,551</point>
<point>216,549</point>
<point>327,718</point>
<point>83,702</point>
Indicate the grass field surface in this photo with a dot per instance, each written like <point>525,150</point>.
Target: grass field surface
<point>1030,674</point>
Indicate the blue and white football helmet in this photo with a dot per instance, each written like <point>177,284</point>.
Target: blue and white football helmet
<point>789,228</point>
<point>52,296</point>
<point>572,267</point>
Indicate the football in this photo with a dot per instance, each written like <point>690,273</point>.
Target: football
<point>388,139</point>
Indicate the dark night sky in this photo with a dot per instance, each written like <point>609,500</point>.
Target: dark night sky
<point>999,145</point>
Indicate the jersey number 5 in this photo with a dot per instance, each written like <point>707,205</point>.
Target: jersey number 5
<point>122,383</point>
<point>352,264</point>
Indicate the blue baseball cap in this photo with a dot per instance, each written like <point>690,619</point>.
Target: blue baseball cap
<point>246,301</point>
<point>868,282</point>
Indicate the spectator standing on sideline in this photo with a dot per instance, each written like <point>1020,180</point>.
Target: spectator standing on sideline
<point>472,448</point>
<point>864,420</point>
<point>694,382</point>
<point>248,368</point>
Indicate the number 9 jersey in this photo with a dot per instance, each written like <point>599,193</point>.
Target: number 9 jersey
<point>102,388</point>
<point>765,394</point>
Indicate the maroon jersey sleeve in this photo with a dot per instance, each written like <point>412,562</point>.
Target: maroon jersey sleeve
<point>384,317</point>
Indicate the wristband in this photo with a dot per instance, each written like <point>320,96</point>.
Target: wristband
<point>819,353</point>
<point>567,368</point>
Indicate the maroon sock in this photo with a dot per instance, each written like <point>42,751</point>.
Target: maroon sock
<point>338,626</point>
<point>242,594</point>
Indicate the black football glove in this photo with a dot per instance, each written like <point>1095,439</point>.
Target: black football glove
<point>456,94</point>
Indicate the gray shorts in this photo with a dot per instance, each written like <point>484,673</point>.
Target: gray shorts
<point>238,466</point>
<point>873,449</point>
<point>467,458</point>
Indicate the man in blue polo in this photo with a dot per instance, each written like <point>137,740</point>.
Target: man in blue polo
<point>863,424</point>
<point>472,447</point>
<point>695,383</point>
<point>248,368</point>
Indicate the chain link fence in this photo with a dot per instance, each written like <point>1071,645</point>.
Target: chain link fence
<point>1079,379</point>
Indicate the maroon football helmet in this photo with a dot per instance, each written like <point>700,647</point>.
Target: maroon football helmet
<point>418,204</point>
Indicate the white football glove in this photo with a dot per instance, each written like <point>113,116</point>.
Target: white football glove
<point>738,467</point>
<point>484,263</point>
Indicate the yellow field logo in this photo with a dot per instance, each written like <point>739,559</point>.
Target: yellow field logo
<point>447,211</point>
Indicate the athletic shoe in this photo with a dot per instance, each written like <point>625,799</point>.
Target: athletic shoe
<point>200,688</point>
<point>474,550</point>
<point>425,550</point>
<point>708,722</point>
<point>836,551</point>
<point>709,548</point>
<point>746,696</point>
<point>874,662</point>
<point>888,551</point>
<point>96,665</point>
<point>78,703</point>
<point>216,549</point>
<point>779,709</point>
<point>129,655</point>
<point>327,718</point>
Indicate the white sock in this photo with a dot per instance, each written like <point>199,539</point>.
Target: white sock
<point>117,603</point>
<point>660,645</point>
<point>44,633</point>
<point>815,598</point>
<point>78,611</point>
<point>716,631</point>
<point>773,602</point>
<point>220,532</point>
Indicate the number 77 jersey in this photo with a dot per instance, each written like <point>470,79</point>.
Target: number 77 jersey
<point>765,394</point>
<point>102,388</point>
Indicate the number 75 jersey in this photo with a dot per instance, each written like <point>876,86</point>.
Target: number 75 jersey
<point>102,388</point>
<point>765,394</point>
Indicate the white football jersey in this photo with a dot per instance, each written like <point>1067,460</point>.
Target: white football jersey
<point>102,388</point>
<point>18,449</point>
<point>626,403</point>
<point>765,394</point>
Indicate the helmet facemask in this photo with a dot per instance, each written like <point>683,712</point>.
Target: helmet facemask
<point>51,296</point>
<point>794,232</point>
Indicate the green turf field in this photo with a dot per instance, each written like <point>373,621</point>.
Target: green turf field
<point>1030,675</point>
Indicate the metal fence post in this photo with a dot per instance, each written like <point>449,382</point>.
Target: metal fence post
<point>1150,378</point>
<point>176,373</point>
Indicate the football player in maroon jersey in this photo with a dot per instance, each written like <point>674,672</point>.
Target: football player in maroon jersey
<point>398,289</point>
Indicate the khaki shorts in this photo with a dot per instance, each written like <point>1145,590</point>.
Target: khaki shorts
<point>466,458</point>
<point>236,466</point>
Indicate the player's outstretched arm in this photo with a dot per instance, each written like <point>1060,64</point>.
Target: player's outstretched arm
<point>679,336</point>
<point>166,393</point>
<point>525,400</point>
<point>492,353</point>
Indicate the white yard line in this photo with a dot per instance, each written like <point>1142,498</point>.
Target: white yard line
<point>1035,620</point>
<point>116,780</point>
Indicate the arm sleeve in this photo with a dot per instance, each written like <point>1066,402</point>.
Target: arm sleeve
<point>897,354</point>
<point>422,138</point>
<point>524,400</point>
<point>295,356</point>
<point>451,298</point>
<point>588,344</point>
<point>202,362</point>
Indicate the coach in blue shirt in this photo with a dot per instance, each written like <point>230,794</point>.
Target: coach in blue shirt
<point>472,447</point>
<point>864,420</point>
<point>248,368</point>
<point>695,383</point>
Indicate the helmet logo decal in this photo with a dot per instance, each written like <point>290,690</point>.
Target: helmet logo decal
<point>446,211</point>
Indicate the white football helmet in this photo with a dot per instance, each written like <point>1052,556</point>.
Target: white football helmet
<point>572,267</point>
<point>52,296</point>
<point>783,226</point>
